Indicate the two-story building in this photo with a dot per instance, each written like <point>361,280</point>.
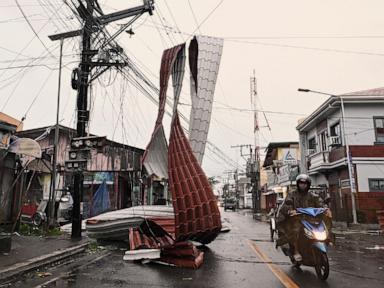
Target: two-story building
<point>324,136</point>
<point>281,165</point>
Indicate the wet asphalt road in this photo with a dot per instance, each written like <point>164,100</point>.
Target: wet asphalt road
<point>243,257</point>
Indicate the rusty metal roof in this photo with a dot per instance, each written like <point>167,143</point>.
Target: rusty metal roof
<point>155,155</point>
<point>197,216</point>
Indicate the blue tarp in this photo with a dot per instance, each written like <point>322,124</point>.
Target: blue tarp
<point>100,201</point>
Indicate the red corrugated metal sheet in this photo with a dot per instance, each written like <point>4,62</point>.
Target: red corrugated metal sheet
<point>168,62</point>
<point>183,254</point>
<point>197,216</point>
<point>149,235</point>
<point>168,224</point>
<point>181,249</point>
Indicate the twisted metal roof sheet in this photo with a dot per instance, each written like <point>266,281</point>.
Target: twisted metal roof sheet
<point>197,216</point>
<point>204,60</point>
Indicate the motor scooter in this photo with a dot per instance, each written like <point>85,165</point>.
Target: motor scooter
<point>313,241</point>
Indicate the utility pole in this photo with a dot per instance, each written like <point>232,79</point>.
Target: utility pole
<point>255,178</point>
<point>52,191</point>
<point>80,82</point>
<point>248,166</point>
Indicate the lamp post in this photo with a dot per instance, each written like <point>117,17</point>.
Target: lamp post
<point>349,158</point>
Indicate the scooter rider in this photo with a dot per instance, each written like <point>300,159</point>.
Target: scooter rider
<point>289,226</point>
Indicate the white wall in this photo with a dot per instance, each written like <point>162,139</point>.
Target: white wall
<point>360,131</point>
<point>365,171</point>
<point>359,126</point>
<point>319,179</point>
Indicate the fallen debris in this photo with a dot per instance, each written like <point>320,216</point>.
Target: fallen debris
<point>142,254</point>
<point>115,225</point>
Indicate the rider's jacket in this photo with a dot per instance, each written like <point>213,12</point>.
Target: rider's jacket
<point>299,200</point>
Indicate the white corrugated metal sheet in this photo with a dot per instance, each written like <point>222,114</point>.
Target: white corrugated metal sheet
<point>202,91</point>
<point>156,160</point>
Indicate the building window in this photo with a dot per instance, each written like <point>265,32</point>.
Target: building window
<point>376,185</point>
<point>379,129</point>
<point>312,145</point>
<point>335,130</point>
<point>323,141</point>
<point>335,135</point>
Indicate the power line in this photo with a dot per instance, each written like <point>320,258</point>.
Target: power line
<point>29,66</point>
<point>239,40</point>
<point>174,20</point>
<point>33,29</point>
<point>207,17</point>
<point>305,47</point>
<point>37,95</point>
<point>194,16</point>
<point>307,37</point>
<point>251,110</point>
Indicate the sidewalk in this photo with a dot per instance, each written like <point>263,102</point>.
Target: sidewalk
<point>31,252</point>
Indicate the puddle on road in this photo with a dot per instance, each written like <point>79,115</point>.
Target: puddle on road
<point>376,247</point>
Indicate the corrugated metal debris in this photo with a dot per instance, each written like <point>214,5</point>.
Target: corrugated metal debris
<point>195,215</point>
<point>115,225</point>
<point>155,155</point>
<point>150,241</point>
<point>204,61</point>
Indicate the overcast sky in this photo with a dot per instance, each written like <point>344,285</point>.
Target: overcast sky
<point>329,45</point>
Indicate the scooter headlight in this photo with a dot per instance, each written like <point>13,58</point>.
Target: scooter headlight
<point>320,235</point>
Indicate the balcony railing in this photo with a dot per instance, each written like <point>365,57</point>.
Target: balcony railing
<point>317,159</point>
<point>334,141</point>
<point>323,159</point>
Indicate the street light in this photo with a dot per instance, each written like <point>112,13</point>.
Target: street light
<point>349,158</point>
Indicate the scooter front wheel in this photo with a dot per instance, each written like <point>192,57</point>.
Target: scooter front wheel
<point>321,264</point>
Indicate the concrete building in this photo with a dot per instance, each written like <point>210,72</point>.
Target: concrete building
<point>245,192</point>
<point>281,166</point>
<point>323,139</point>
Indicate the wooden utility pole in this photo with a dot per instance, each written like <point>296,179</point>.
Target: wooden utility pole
<point>81,144</point>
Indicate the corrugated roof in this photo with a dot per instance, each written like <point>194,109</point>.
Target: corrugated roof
<point>369,92</point>
<point>204,60</point>
<point>156,154</point>
<point>197,216</point>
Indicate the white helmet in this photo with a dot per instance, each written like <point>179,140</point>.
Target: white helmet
<point>303,177</point>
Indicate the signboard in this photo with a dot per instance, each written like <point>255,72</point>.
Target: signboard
<point>289,156</point>
<point>345,184</point>
<point>284,173</point>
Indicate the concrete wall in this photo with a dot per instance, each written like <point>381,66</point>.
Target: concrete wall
<point>319,179</point>
<point>366,171</point>
<point>360,130</point>
<point>359,126</point>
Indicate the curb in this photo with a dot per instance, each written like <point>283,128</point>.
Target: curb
<point>37,262</point>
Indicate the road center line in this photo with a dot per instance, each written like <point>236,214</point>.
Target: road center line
<point>284,278</point>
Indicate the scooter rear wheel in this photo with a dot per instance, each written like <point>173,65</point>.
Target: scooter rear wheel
<point>322,265</point>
